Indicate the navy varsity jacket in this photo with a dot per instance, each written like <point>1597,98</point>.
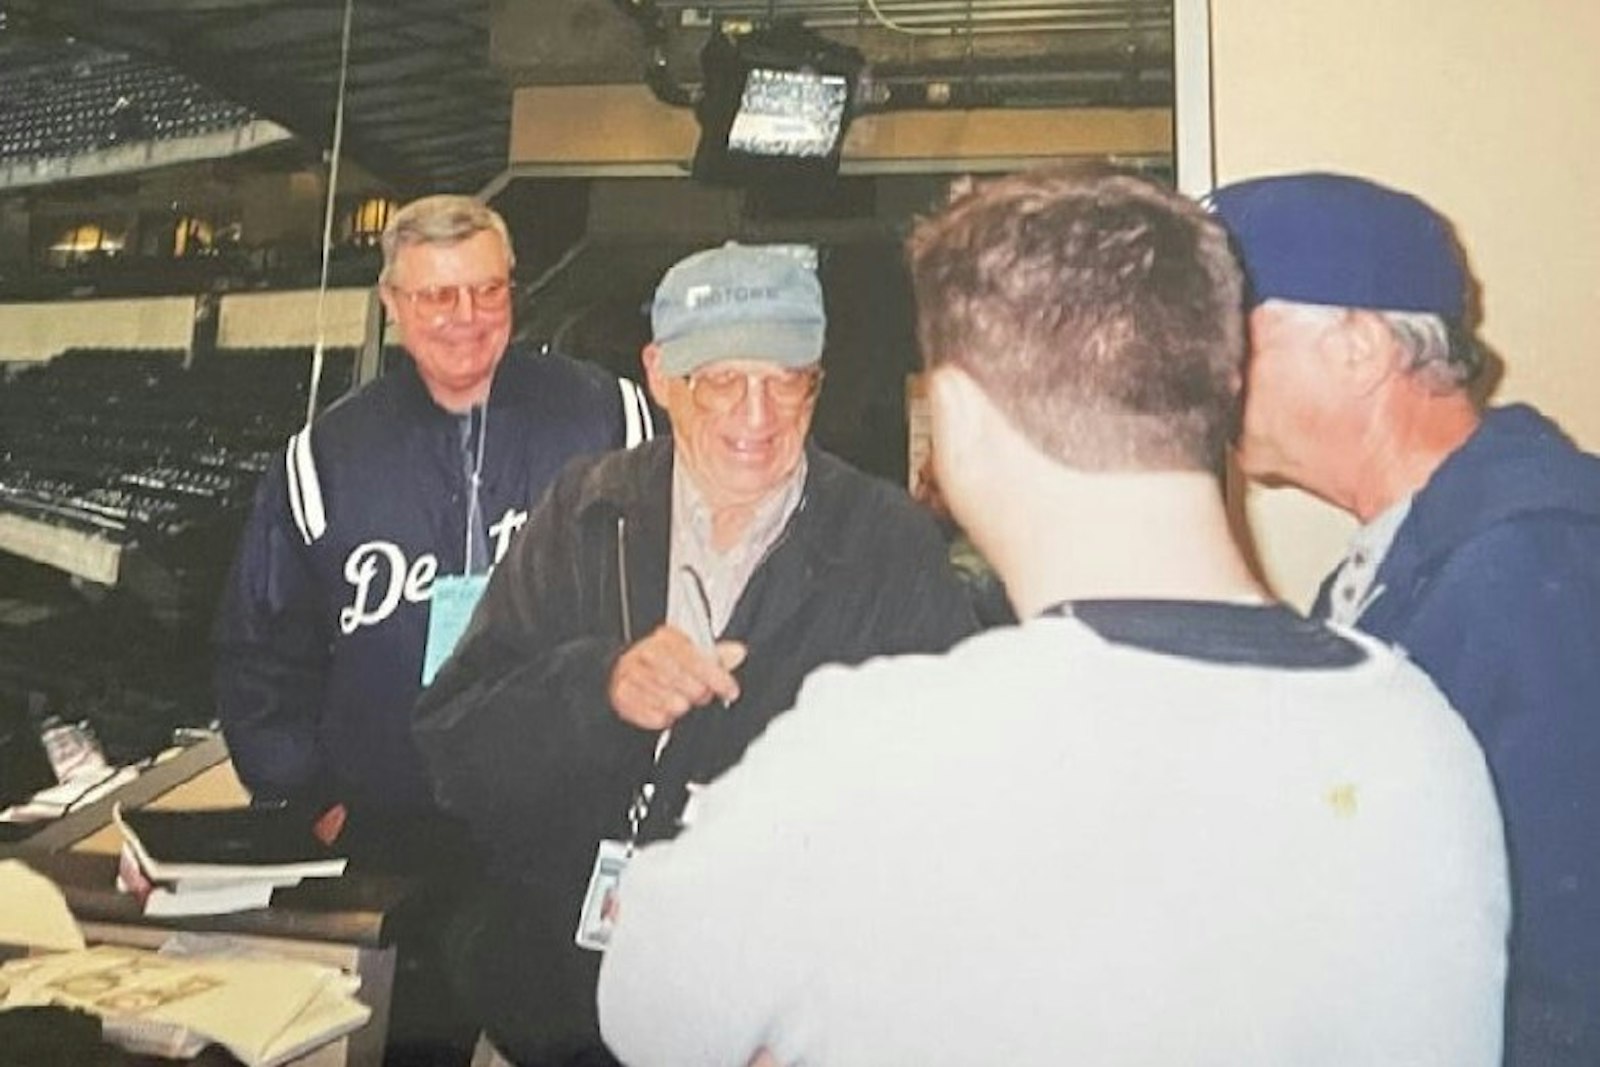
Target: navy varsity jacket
<point>321,632</point>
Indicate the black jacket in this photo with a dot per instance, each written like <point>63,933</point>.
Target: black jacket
<point>520,738</point>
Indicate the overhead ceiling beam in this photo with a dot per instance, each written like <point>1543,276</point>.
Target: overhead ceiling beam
<point>279,58</point>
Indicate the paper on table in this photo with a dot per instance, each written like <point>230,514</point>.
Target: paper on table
<point>73,793</point>
<point>263,1010</point>
<point>35,912</point>
<point>205,896</point>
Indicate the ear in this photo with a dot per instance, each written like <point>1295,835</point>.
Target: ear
<point>1369,355</point>
<point>389,303</point>
<point>959,411</point>
<point>654,376</point>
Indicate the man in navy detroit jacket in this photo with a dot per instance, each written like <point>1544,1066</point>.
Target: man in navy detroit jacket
<point>1479,552</point>
<point>392,503</point>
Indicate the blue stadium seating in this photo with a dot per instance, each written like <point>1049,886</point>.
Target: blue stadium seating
<point>57,104</point>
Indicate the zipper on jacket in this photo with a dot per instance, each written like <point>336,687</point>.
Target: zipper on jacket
<point>783,535</point>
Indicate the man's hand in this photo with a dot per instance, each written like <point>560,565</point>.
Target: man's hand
<point>661,677</point>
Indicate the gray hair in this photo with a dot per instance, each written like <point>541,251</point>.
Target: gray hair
<point>1441,354</point>
<point>443,219</point>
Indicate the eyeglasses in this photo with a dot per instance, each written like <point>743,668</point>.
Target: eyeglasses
<point>720,391</point>
<point>435,301</point>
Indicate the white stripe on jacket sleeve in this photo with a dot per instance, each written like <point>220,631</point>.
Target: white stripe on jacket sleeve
<point>305,490</point>
<point>640,427</point>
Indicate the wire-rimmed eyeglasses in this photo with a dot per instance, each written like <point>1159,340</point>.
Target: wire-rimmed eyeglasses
<point>720,391</point>
<point>435,301</point>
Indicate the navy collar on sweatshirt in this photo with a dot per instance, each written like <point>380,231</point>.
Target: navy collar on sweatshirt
<point>1258,635</point>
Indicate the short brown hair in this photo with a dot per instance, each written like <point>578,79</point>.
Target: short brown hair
<point>1099,310</point>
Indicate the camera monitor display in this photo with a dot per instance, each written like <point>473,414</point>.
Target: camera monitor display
<point>774,109</point>
<point>789,114</point>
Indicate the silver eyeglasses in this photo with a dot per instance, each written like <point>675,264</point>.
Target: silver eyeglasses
<point>438,300</point>
<point>720,391</point>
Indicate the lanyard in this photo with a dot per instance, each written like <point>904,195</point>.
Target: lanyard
<point>474,532</point>
<point>454,596</point>
<point>703,636</point>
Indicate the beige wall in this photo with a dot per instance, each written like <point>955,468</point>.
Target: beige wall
<point>275,320</point>
<point>1487,109</point>
<point>610,126</point>
<point>41,331</point>
<point>267,320</point>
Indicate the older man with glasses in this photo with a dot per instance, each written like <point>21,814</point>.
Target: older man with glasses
<point>664,605</point>
<point>379,522</point>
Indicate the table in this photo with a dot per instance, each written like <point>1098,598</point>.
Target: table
<point>169,774</point>
<point>346,922</point>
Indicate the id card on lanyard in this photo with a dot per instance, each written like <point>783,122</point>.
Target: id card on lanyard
<point>598,915</point>
<point>451,603</point>
<point>449,610</point>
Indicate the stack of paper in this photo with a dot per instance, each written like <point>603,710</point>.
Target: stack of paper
<point>216,861</point>
<point>78,791</point>
<point>264,1011</point>
<point>35,915</point>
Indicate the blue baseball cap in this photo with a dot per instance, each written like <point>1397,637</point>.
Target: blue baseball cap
<point>739,302</point>
<point>1339,241</point>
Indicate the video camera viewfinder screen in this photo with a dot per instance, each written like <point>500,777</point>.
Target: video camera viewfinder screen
<point>788,113</point>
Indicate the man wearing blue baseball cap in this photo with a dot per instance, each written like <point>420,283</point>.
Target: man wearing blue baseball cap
<point>661,608</point>
<point>1479,550</point>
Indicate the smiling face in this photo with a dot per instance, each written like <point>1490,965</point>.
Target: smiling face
<point>455,350</point>
<point>738,457</point>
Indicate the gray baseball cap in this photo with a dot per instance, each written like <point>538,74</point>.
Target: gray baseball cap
<point>739,302</point>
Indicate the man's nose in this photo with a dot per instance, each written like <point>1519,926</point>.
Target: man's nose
<point>757,405</point>
<point>464,308</point>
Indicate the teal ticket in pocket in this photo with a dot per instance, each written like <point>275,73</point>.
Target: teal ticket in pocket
<point>449,611</point>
